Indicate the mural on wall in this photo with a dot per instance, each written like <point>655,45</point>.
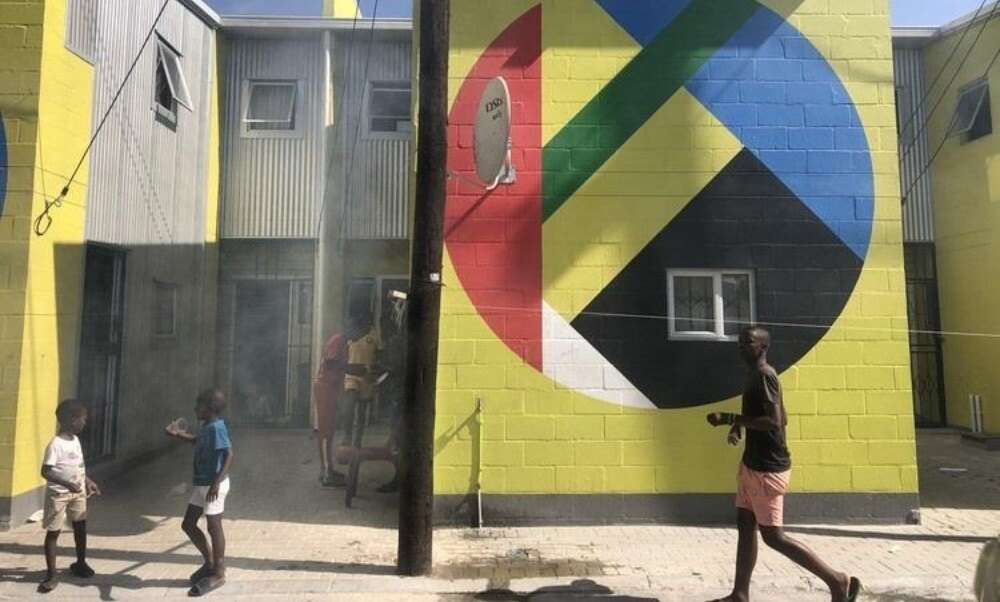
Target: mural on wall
<point>3,164</point>
<point>763,212</point>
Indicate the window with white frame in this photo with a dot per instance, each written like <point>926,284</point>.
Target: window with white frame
<point>973,118</point>
<point>270,108</point>
<point>171,87</point>
<point>164,309</point>
<point>709,305</point>
<point>387,110</point>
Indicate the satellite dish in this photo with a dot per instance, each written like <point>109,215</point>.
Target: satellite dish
<point>491,143</point>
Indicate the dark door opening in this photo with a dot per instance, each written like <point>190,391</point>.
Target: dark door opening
<point>101,347</point>
<point>925,344</point>
<point>260,356</point>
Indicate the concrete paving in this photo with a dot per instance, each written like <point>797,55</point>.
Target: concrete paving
<point>290,539</point>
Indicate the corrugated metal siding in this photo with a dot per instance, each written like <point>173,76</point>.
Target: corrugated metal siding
<point>918,215</point>
<point>147,181</point>
<point>376,180</point>
<point>273,187</point>
<point>81,28</point>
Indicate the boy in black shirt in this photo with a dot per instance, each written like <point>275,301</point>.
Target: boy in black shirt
<point>764,475</point>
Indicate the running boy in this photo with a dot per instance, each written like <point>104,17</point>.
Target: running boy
<point>765,474</point>
<point>66,492</point>
<point>213,456</point>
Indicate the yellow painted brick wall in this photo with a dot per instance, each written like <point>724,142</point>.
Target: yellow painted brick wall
<point>851,418</point>
<point>20,45</point>
<point>52,308</point>
<point>341,9</point>
<point>966,192</point>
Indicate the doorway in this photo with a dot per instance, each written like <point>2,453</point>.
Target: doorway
<point>101,348</point>
<point>260,357</point>
<point>927,371</point>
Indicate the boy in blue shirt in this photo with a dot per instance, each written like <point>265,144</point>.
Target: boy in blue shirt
<point>213,457</point>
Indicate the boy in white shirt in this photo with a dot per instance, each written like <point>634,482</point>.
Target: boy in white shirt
<point>67,491</point>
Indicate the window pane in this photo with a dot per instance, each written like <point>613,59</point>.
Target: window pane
<point>736,302</point>
<point>390,103</point>
<point>164,318</point>
<point>970,103</point>
<point>164,97</point>
<point>171,63</point>
<point>272,103</point>
<point>694,304</point>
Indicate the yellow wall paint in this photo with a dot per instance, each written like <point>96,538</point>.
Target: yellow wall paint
<point>21,43</point>
<point>966,193</point>
<point>849,399</point>
<point>52,308</point>
<point>341,9</point>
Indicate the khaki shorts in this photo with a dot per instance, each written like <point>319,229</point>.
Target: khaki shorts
<point>763,493</point>
<point>62,506</point>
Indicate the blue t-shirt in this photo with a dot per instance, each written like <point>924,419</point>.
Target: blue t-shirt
<point>213,440</point>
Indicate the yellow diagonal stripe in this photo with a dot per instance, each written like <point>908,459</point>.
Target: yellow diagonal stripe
<point>630,200</point>
<point>583,49</point>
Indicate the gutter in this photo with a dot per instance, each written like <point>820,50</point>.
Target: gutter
<point>203,12</point>
<point>262,23</point>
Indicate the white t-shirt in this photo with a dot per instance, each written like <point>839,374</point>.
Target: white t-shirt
<point>66,457</point>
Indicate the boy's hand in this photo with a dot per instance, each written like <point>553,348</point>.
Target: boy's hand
<point>734,437</point>
<point>92,488</point>
<point>74,487</point>
<point>213,493</point>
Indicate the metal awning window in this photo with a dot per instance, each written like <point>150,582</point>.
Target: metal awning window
<point>388,110</point>
<point>81,29</point>
<point>171,86</point>
<point>972,114</point>
<point>271,105</point>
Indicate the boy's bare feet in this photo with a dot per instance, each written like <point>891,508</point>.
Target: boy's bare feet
<point>201,573</point>
<point>48,584</point>
<point>82,570</point>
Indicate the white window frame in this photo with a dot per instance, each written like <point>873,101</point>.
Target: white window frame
<point>982,87</point>
<point>719,334</point>
<point>173,69</point>
<point>297,114</point>
<point>397,85</point>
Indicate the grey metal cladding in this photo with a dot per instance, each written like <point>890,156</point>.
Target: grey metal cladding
<point>272,187</point>
<point>376,170</point>
<point>148,181</point>
<point>914,153</point>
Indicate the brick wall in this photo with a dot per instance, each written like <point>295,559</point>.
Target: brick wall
<point>20,45</point>
<point>637,152</point>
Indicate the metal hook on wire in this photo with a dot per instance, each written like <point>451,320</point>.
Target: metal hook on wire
<point>44,220</point>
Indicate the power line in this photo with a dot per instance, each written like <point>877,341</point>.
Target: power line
<point>44,221</point>
<point>927,91</point>
<point>958,70</point>
<point>944,140</point>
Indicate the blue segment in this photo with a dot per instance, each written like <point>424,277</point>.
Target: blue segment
<point>3,164</point>
<point>644,19</point>
<point>387,9</point>
<point>807,131</point>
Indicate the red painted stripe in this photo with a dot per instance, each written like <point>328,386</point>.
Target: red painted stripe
<point>494,238</point>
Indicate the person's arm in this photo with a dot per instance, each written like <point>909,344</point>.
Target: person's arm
<point>227,462</point>
<point>49,474</point>
<point>773,418</point>
<point>92,488</point>
<point>735,434</point>
<point>182,435</point>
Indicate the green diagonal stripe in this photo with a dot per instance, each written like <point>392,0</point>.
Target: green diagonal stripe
<point>636,93</point>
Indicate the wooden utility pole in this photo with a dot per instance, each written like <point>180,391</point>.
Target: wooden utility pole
<point>416,493</point>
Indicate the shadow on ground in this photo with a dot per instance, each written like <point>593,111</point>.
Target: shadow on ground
<point>581,589</point>
<point>975,485</point>
<point>274,478</point>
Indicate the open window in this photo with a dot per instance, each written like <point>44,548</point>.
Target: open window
<point>709,305</point>
<point>81,29</point>
<point>271,108</point>
<point>973,119</point>
<point>171,87</point>
<point>387,110</point>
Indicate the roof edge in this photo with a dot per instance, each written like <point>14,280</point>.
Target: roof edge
<point>314,23</point>
<point>986,12</point>
<point>204,12</point>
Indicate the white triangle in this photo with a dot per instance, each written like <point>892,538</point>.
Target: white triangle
<point>573,363</point>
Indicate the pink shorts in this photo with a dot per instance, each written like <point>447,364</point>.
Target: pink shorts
<point>763,493</point>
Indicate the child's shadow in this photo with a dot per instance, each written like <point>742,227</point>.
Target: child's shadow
<point>105,584</point>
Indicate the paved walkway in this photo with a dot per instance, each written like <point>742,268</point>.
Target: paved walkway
<point>293,540</point>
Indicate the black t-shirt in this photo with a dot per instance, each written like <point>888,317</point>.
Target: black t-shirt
<point>765,451</point>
